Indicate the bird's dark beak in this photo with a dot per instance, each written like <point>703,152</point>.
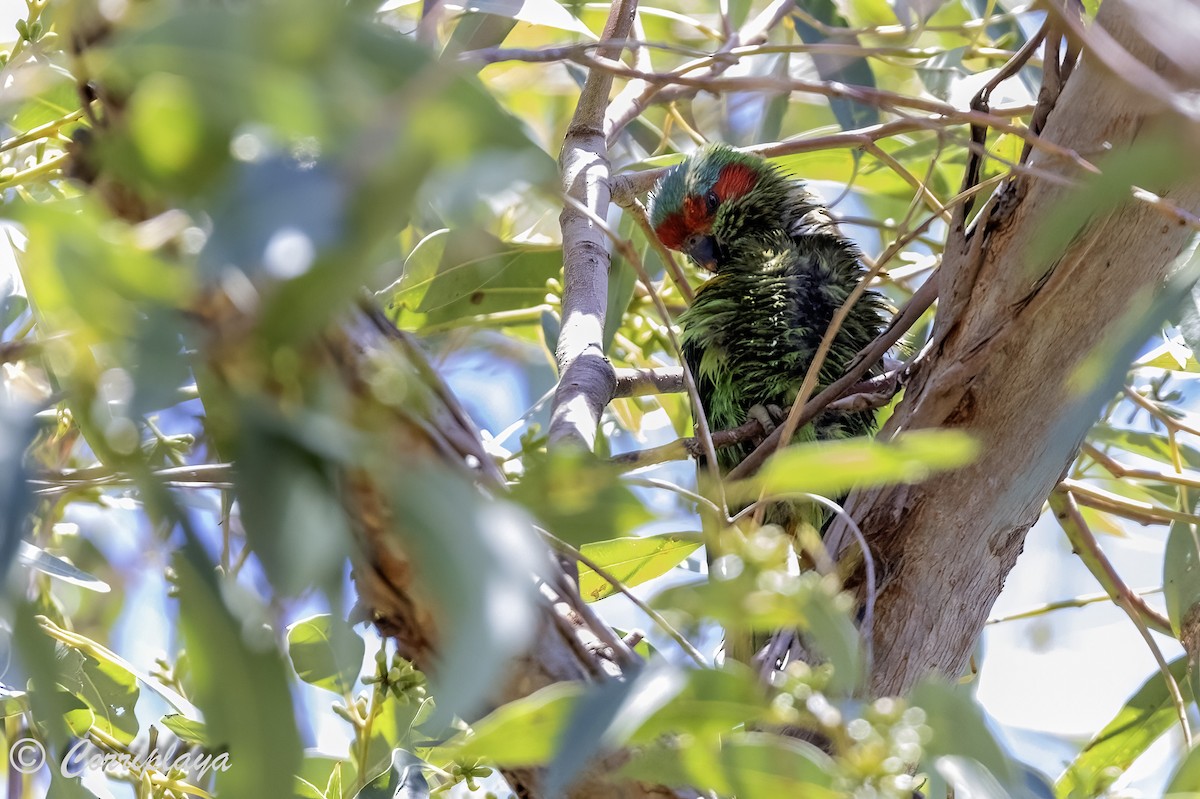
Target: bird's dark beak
<point>703,250</point>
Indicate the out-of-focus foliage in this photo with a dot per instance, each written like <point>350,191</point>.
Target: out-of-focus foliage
<point>196,192</point>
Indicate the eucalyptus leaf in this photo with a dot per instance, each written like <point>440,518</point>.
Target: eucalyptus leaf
<point>1143,719</point>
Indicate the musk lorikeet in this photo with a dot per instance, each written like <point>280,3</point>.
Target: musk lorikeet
<point>780,271</point>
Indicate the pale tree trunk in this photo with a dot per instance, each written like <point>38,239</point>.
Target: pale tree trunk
<point>1012,331</point>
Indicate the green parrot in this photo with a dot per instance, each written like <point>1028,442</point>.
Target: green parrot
<point>780,271</point>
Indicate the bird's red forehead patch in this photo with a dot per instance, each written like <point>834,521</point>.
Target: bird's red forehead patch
<point>734,181</point>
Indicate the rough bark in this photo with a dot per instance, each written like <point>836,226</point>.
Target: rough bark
<point>1012,330</point>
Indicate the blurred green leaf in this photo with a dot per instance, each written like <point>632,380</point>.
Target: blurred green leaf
<point>58,97</point>
<point>475,558</point>
<point>633,561</point>
<point>805,602</point>
<point>326,652</point>
<point>751,765</point>
<point>579,498</point>
<point>17,430</point>
<point>1145,717</point>
<point>287,490</point>
<point>524,732</point>
<point>1152,160</point>
<point>88,272</point>
<point>711,704</point>
<point>834,467</point>
<point>960,734</point>
<point>604,716</point>
<point>476,31</point>
<point>242,688</point>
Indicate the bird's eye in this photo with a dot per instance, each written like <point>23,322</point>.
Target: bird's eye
<point>712,200</point>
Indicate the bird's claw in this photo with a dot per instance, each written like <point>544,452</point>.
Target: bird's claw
<point>769,416</point>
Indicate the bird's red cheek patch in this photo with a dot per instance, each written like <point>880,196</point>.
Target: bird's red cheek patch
<point>672,231</point>
<point>734,180</point>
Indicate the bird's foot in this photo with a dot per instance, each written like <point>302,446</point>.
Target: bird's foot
<point>769,416</point>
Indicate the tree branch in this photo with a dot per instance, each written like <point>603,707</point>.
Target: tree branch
<point>586,378</point>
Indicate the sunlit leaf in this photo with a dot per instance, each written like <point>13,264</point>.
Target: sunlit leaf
<point>187,729</point>
<point>634,560</point>
<point>831,468</point>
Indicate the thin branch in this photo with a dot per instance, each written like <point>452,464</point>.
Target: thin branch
<point>1144,512</point>
<point>690,447</point>
<point>753,32</point>
<point>1083,541</point>
<point>1142,615</point>
<point>586,379</point>
<point>1066,604</point>
<point>1120,470</point>
<point>633,382</point>
<point>1158,413</point>
<point>880,98</point>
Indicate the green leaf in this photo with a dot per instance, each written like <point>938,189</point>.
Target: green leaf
<point>578,498</point>
<point>187,729</point>
<point>838,68</point>
<point>1151,445</point>
<point>751,765</point>
<point>287,488</point>
<point>633,561</point>
<point>420,268</point>
<point>830,468</point>
<point>326,652</point>
<point>711,704</point>
<point>1145,717</point>
<point>41,560</point>
<point>961,733</point>
<point>521,733</point>
<point>476,31</point>
<point>241,687</point>
<point>473,556</point>
<point>535,12</point>
<point>1172,355</point>
<point>480,274</point>
<point>59,98</point>
<point>1186,780</point>
<point>1181,576</point>
<point>604,716</point>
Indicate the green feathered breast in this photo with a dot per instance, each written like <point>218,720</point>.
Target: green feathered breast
<point>755,327</point>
